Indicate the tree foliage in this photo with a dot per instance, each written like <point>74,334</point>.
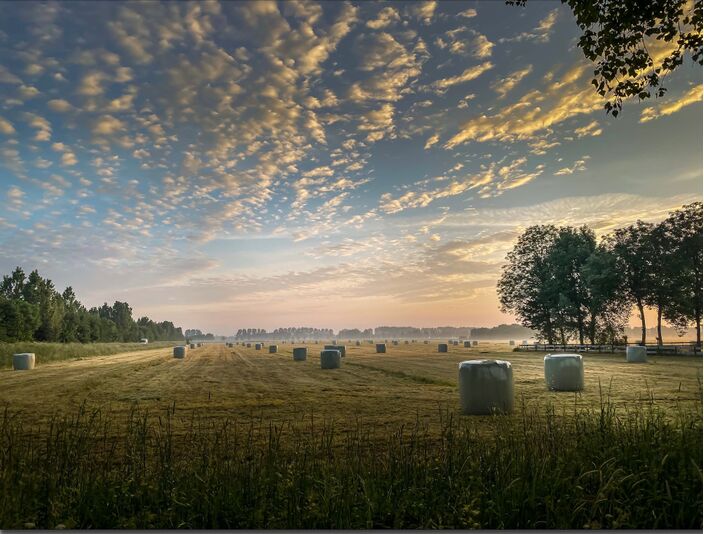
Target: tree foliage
<point>634,45</point>
<point>31,309</point>
<point>563,285</point>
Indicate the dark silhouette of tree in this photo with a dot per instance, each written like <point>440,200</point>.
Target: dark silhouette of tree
<point>634,45</point>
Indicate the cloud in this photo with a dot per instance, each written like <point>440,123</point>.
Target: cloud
<point>592,129</point>
<point>432,140</point>
<point>481,47</point>
<point>425,10</point>
<point>468,13</point>
<point>384,18</point>
<point>107,125</point>
<point>504,85</point>
<point>534,113</point>
<point>578,166</point>
<point>59,105</point>
<point>469,74</point>
<point>693,96</point>
<point>6,127</point>
<point>541,33</point>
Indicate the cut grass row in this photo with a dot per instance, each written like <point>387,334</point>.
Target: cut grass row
<point>595,469</point>
<point>53,352</point>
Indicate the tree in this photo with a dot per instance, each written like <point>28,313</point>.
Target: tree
<point>683,229</point>
<point>608,306</point>
<point>633,249</point>
<point>527,284</point>
<point>635,44</point>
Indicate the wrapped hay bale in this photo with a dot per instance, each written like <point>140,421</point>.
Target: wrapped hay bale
<point>300,354</point>
<point>357,343</point>
<point>257,346</point>
<point>395,342</point>
<point>405,342</point>
<point>340,348</point>
<point>512,343</point>
<point>381,348</point>
<point>426,342</point>
<point>180,352</point>
<point>486,387</point>
<point>467,344</point>
<point>442,347</point>
<point>475,343</point>
<point>273,349</point>
<point>636,354</point>
<point>192,346</point>
<point>455,343</point>
<point>330,359</point>
<point>249,345</point>
<point>23,361</point>
<point>564,372</point>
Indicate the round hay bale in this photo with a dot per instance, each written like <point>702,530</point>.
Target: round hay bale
<point>257,346</point>
<point>341,348</point>
<point>273,349</point>
<point>564,372</point>
<point>512,342</point>
<point>330,359</point>
<point>357,343</point>
<point>381,348</point>
<point>23,361</point>
<point>249,345</point>
<point>180,352</point>
<point>636,354</point>
<point>426,342</point>
<point>467,344</point>
<point>192,346</point>
<point>395,342</point>
<point>455,343</point>
<point>300,354</point>
<point>406,342</point>
<point>475,343</point>
<point>442,347</point>
<point>486,387</point>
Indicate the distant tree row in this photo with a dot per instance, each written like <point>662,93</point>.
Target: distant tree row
<point>565,286</point>
<point>31,309</point>
<point>285,333</point>
<point>502,331</point>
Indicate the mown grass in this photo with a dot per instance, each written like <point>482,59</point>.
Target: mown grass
<point>52,352</point>
<point>539,469</point>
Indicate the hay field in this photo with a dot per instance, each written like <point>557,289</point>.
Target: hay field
<point>407,382</point>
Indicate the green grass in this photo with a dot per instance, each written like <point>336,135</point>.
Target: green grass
<point>540,469</point>
<point>52,352</point>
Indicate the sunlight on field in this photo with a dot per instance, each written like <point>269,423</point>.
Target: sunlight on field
<point>407,382</point>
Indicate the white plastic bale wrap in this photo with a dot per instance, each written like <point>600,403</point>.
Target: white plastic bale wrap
<point>273,349</point>
<point>564,372</point>
<point>180,351</point>
<point>467,344</point>
<point>442,347</point>
<point>257,346</point>
<point>300,354</point>
<point>381,348</point>
<point>636,354</point>
<point>486,387</point>
<point>24,361</point>
<point>330,359</point>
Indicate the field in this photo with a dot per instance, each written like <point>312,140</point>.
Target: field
<point>378,419</point>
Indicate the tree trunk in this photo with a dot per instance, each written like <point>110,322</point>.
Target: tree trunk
<point>642,321</point>
<point>580,324</point>
<point>698,318</point>
<point>659,324</point>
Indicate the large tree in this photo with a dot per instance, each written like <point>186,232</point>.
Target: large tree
<point>632,247</point>
<point>634,45</point>
<point>683,229</point>
<point>527,285</point>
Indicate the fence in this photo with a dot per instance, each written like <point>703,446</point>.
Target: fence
<point>681,348</point>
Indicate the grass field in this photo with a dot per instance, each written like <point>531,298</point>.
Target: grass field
<point>234,437</point>
<point>54,352</point>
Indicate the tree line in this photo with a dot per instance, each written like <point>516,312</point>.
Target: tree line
<point>31,309</point>
<point>565,286</point>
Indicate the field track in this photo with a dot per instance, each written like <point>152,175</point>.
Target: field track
<point>409,381</point>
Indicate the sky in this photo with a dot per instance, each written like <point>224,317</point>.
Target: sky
<point>337,164</point>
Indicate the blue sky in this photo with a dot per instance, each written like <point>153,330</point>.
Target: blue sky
<point>336,164</point>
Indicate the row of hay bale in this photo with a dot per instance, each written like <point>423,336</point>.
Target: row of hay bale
<point>486,386</point>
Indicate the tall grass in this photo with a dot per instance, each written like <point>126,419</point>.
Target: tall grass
<point>50,352</point>
<point>534,470</point>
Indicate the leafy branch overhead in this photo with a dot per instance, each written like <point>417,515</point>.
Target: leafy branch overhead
<point>634,45</point>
